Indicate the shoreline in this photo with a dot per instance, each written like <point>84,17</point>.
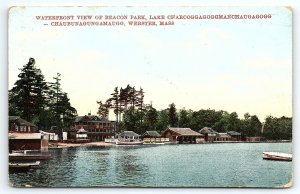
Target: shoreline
<point>71,145</point>
<point>101,143</point>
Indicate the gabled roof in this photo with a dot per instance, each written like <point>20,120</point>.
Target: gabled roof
<point>90,118</point>
<point>233,133</point>
<point>82,130</point>
<point>128,133</point>
<point>223,135</point>
<point>184,131</point>
<point>207,130</point>
<point>19,121</point>
<point>152,133</point>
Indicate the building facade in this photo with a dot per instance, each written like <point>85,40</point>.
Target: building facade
<point>181,135</point>
<point>97,128</point>
<point>23,136</point>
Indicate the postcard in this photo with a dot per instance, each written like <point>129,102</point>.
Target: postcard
<point>150,96</point>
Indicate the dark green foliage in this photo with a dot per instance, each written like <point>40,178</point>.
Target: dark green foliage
<point>173,119</point>
<point>43,104</point>
<point>63,113</point>
<point>28,96</point>
<point>278,128</point>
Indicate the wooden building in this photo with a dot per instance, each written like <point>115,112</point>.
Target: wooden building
<point>97,128</point>
<point>24,141</point>
<point>181,135</point>
<point>151,137</point>
<point>210,135</point>
<point>22,135</point>
<point>235,136</point>
<point>17,124</point>
<point>223,137</point>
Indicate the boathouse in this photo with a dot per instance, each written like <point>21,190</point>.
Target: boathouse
<point>210,135</point>
<point>151,137</point>
<point>97,128</point>
<point>24,141</point>
<point>22,135</point>
<point>223,137</point>
<point>181,135</point>
<point>235,136</point>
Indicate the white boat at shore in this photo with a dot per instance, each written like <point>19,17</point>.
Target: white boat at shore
<point>277,156</point>
<point>129,142</point>
<point>23,166</point>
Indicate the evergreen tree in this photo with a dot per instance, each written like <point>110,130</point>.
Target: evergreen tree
<point>28,96</point>
<point>63,112</point>
<point>115,100</point>
<point>151,118</point>
<point>173,119</point>
<point>184,119</point>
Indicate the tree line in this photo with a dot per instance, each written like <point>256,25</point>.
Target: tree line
<point>40,102</point>
<point>46,105</point>
<point>132,114</point>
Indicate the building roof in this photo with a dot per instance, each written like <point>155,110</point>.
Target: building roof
<point>24,135</point>
<point>91,118</point>
<point>184,131</point>
<point>19,121</point>
<point>81,130</point>
<point>223,135</point>
<point>152,133</point>
<point>233,133</point>
<point>207,130</point>
<point>129,133</point>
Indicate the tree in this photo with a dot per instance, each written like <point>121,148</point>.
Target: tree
<point>28,96</point>
<point>184,119</point>
<point>250,126</point>
<point>131,120</point>
<point>151,118</point>
<point>115,100</point>
<point>173,119</point>
<point>63,112</point>
<point>163,120</point>
<point>278,128</point>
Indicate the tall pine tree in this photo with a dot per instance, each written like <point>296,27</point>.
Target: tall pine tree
<point>60,106</point>
<point>27,98</point>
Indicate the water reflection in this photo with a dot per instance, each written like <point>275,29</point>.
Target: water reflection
<point>209,165</point>
<point>129,167</point>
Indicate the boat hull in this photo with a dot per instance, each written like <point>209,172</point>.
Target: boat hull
<point>277,156</point>
<point>23,166</point>
<point>17,157</point>
<point>129,143</point>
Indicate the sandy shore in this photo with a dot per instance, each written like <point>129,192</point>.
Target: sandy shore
<point>69,145</point>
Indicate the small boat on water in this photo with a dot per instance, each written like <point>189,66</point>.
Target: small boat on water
<point>23,166</point>
<point>129,142</point>
<point>25,156</point>
<point>277,156</point>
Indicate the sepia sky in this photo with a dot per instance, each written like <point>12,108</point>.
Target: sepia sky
<point>234,65</point>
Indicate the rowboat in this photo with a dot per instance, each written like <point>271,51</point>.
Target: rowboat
<point>277,156</point>
<point>23,166</point>
<point>28,157</point>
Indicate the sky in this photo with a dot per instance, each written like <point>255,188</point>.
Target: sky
<point>234,65</point>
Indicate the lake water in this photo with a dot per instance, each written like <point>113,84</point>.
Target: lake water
<point>193,165</point>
